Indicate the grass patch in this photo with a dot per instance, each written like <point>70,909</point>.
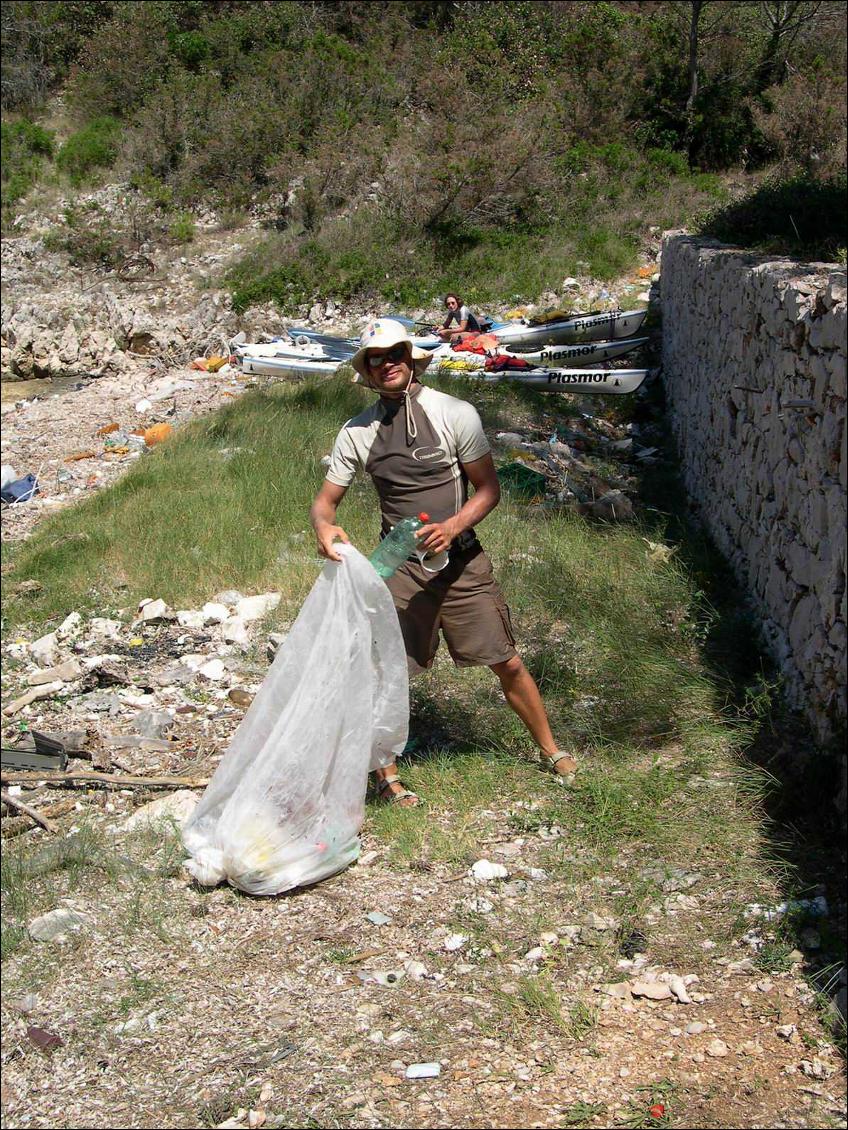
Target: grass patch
<point>537,1000</point>
<point>616,635</point>
<point>582,1114</point>
<point>124,880</point>
<point>652,1108</point>
<point>456,785</point>
<point>216,507</point>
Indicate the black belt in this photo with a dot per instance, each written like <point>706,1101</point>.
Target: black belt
<point>466,540</point>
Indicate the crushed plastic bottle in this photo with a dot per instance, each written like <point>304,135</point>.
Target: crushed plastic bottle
<point>398,545</point>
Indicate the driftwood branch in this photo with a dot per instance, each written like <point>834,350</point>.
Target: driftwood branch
<point>118,780</point>
<point>19,805</point>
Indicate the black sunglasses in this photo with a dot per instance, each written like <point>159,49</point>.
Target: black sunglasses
<point>392,356</point>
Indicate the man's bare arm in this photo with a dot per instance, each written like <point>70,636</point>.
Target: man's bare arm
<point>323,518</point>
<point>437,536</point>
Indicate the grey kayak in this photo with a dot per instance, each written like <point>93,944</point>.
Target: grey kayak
<point>605,326</point>
<point>522,336</point>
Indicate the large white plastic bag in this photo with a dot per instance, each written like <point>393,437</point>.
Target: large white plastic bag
<point>286,803</point>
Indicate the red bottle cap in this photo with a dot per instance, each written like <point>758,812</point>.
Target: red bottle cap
<point>424,517</point>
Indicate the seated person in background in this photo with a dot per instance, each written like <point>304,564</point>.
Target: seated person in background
<point>466,322</point>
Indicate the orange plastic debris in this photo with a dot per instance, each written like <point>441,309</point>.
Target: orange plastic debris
<point>75,456</point>
<point>213,364</point>
<point>107,428</point>
<point>157,433</point>
<point>199,363</point>
<point>645,272</point>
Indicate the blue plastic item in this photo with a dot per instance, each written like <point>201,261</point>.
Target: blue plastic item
<point>21,490</point>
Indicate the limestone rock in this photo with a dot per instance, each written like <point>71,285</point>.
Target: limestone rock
<point>166,811</point>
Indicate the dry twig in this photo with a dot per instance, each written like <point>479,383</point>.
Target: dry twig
<point>116,779</point>
<point>19,805</point>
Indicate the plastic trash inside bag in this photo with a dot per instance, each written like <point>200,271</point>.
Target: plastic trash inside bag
<point>286,803</point>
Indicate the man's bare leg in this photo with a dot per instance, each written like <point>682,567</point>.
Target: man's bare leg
<point>522,694</point>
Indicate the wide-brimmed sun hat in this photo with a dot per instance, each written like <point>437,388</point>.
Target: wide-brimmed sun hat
<point>383,333</point>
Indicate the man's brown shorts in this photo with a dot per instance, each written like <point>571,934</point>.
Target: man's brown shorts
<point>464,600</point>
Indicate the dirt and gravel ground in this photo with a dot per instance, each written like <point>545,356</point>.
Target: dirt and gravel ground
<point>530,996</point>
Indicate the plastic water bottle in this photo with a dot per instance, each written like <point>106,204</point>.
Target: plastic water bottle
<point>398,544</point>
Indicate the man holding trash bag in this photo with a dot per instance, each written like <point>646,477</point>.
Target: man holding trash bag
<point>422,448</point>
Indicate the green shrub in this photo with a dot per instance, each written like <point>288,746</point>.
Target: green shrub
<point>93,147</point>
<point>159,194</point>
<point>668,161</point>
<point>25,146</point>
<point>190,47</point>
<point>27,137</point>
<point>87,237</point>
<point>800,216</point>
<point>182,228</point>
<point>124,61</point>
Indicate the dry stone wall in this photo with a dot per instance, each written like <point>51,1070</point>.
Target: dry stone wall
<point>754,365</point>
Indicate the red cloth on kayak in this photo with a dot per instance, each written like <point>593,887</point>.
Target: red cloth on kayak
<point>479,343</point>
<point>502,361</point>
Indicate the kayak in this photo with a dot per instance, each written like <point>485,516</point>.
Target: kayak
<point>337,348</point>
<point>523,336</point>
<point>425,341</point>
<point>602,381</point>
<point>282,351</point>
<point>554,357</point>
<point>605,382</point>
<point>289,365</point>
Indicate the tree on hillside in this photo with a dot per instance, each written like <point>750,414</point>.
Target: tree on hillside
<point>783,20</point>
<point>40,42</point>
<point>25,75</point>
<point>702,22</point>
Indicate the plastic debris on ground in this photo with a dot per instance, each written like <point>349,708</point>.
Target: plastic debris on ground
<point>20,490</point>
<point>521,480</point>
<point>286,803</point>
<point>157,433</point>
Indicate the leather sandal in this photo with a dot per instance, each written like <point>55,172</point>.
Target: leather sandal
<point>550,764</point>
<point>385,794</point>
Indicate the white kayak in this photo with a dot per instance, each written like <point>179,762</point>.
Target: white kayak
<point>606,382</point>
<point>289,364</point>
<point>288,357</point>
<point>554,357</point>
<point>602,381</point>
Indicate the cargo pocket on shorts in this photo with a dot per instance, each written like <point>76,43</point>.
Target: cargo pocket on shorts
<point>506,619</point>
